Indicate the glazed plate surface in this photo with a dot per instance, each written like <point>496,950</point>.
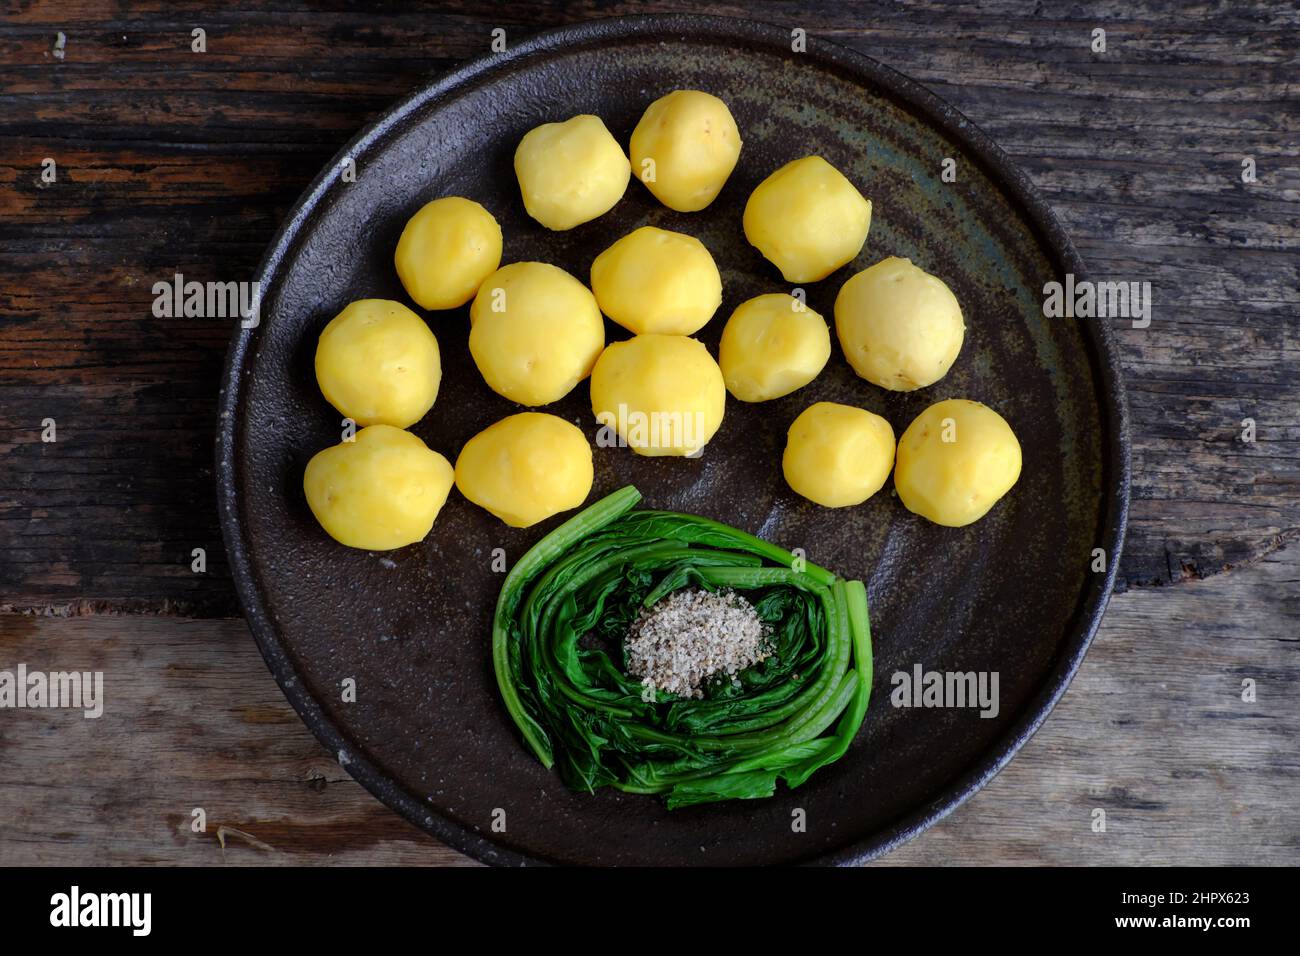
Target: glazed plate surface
<point>1014,594</point>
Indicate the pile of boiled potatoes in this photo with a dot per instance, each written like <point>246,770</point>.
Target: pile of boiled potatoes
<point>536,332</point>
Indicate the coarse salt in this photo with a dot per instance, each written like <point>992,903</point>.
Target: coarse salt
<point>691,636</point>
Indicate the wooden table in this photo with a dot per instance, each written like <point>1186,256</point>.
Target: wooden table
<point>169,160</point>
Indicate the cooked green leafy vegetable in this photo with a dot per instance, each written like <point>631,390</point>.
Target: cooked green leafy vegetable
<point>557,647</point>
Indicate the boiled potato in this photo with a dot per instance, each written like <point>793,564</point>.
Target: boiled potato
<point>900,327</point>
<point>838,455</point>
<point>656,281</point>
<point>526,468</point>
<point>571,172</point>
<point>379,491</point>
<point>535,332</point>
<point>446,251</point>
<point>807,219</point>
<point>378,364</point>
<point>955,461</point>
<point>662,394</point>
<point>684,148</point>
<point>771,346</point>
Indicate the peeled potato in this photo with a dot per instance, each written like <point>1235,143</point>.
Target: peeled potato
<point>656,281</point>
<point>662,394</point>
<point>955,461</point>
<point>378,364</point>
<point>446,251</point>
<point>807,219</point>
<point>379,491</point>
<point>571,172</point>
<point>900,327</point>
<point>772,345</point>
<point>838,455</point>
<point>684,148</point>
<point>535,332</point>
<point>526,468</point>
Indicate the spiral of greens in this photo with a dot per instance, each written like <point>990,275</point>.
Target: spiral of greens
<point>557,648</point>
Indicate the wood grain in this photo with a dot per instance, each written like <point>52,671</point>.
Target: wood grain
<point>1153,731</point>
<point>174,161</point>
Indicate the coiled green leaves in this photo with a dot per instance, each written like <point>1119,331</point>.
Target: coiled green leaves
<point>557,649</point>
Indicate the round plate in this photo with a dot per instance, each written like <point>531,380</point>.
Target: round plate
<point>1013,594</point>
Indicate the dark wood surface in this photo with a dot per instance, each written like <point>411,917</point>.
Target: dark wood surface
<point>174,161</point>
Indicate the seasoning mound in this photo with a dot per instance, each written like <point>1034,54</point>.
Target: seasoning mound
<point>691,636</point>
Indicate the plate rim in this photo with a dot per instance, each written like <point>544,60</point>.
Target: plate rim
<point>864,69</point>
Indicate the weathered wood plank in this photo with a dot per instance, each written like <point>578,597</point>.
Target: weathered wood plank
<point>175,161</point>
<point>192,719</point>
<point>1153,731</point>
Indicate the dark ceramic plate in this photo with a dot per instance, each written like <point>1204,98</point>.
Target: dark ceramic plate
<point>1013,594</point>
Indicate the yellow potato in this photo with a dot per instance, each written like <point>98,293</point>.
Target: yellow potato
<point>446,251</point>
<point>656,281</point>
<point>378,364</point>
<point>684,148</point>
<point>535,332</point>
<point>807,219</point>
<point>900,327</point>
<point>571,172</point>
<point>526,468</point>
<point>772,345</point>
<point>662,394</point>
<point>379,491</point>
<point>838,455</point>
<point>955,461</point>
